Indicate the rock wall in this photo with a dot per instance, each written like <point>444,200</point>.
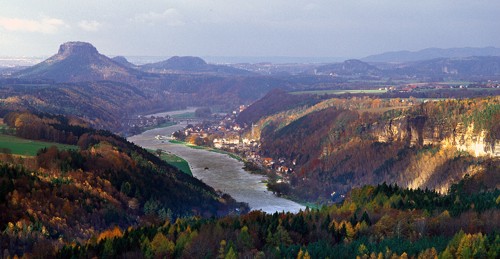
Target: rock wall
<point>476,143</point>
<point>417,131</point>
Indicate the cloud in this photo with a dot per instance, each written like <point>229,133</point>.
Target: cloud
<point>89,25</point>
<point>44,25</point>
<point>171,17</point>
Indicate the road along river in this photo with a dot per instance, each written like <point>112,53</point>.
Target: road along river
<point>219,171</point>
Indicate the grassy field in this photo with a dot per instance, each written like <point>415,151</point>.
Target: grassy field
<point>176,161</point>
<point>320,92</point>
<point>26,147</point>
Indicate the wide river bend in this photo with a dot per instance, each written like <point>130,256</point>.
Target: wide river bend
<point>224,173</point>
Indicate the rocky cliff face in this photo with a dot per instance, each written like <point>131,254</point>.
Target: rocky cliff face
<point>77,48</point>
<point>476,143</point>
<point>417,131</point>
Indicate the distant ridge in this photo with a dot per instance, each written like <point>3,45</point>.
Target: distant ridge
<point>123,61</point>
<point>191,64</point>
<point>186,63</point>
<point>431,53</point>
<point>77,62</point>
<point>348,67</point>
<point>460,67</point>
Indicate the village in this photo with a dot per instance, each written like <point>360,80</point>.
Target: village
<point>227,135</point>
<point>139,123</point>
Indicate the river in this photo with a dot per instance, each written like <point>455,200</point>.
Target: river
<point>224,173</point>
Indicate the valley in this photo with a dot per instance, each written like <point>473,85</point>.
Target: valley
<point>219,171</point>
<point>399,158</point>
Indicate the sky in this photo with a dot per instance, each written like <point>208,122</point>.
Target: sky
<point>251,28</point>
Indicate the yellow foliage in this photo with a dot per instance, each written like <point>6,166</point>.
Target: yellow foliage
<point>362,249</point>
<point>110,234</point>
<point>361,227</point>
<point>222,249</point>
<point>161,245</point>
<point>351,232</point>
<point>428,254</point>
<point>300,255</point>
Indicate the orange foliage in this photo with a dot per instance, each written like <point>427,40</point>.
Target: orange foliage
<point>110,234</point>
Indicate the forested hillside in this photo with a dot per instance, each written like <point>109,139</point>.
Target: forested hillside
<point>274,102</point>
<point>338,144</point>
<point>103,105</point>
<point>373,222</point>
<point>65,195</point>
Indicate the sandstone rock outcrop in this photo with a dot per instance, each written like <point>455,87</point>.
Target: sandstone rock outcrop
<point>414,131</point>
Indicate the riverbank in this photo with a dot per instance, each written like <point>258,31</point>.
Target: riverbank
<point>256,169</point>
<point>163,125</point>
<point>211,149</point>
<point>219,171</point>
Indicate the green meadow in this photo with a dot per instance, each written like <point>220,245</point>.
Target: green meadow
<point>176,161</point>
<point>26,147</point>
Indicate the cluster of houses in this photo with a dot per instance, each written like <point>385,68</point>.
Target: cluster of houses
<point>493,84</point>
<point>227,135</point>
<point>146,121</point>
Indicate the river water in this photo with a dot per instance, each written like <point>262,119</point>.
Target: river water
<point>224,173</point>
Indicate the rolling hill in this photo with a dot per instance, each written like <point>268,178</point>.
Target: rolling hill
<point>123,61</point>
<point>103,104</point>
<point>348,68</point>
<point>188,64</point>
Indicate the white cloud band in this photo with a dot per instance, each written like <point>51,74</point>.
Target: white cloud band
<point>44,25</point>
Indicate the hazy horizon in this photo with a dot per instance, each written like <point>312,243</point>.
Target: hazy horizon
<point>24,60</point>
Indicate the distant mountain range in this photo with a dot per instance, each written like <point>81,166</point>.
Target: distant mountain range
<point>79,80</point>
<point>431,53</point>
<point>463,68</point>
<point>466,67</point>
